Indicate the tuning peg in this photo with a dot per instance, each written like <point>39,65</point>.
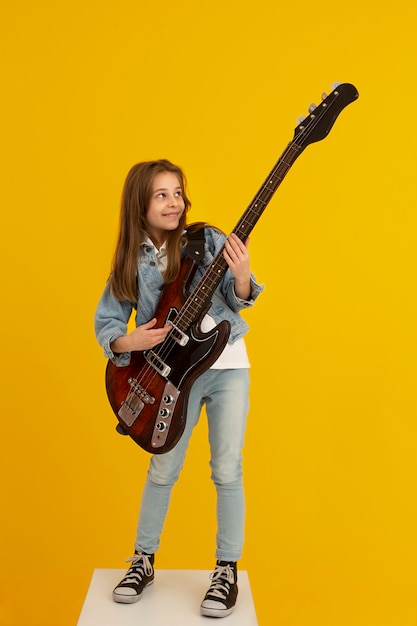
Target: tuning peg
<point>335,85</point>
<point>312,107</point>
<point>324,95</point>
<point>301,119</point>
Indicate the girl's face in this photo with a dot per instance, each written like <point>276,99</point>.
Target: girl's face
<point>165,208</point>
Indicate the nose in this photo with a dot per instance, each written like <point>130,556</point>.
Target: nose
<point>173,200</point>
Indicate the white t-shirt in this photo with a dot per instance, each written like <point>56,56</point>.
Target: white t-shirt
<point>234,355</point>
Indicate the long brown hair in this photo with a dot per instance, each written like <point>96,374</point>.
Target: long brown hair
<point>136,196</point>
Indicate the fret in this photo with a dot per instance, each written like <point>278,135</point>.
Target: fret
<point>258,200</point>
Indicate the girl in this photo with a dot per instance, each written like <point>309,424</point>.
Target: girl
<point>151,243</point>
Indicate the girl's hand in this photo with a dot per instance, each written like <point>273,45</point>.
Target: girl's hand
<point>143,337</point>
<point>237,257</point>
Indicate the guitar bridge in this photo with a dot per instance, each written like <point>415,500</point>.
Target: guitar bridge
<point>134,403</point>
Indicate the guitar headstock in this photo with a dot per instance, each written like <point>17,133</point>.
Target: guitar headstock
<point>317,125</point>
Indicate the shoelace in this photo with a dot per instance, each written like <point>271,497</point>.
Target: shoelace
<point>222,578</point>
<point>141,565</point>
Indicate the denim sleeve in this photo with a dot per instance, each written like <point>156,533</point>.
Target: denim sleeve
<point>237,304</point>
<point>110,323</point>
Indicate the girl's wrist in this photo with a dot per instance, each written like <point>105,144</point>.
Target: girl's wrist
<point>119,345</point>
<point>243,289</point>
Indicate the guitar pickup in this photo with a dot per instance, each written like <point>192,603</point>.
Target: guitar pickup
<point>181,338</point>
<point>157,363</point>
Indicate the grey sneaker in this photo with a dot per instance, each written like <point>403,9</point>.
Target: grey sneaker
<point>139,575</point>
<point>220,599</point>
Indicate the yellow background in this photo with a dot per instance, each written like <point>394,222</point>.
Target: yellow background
<point>88,89</point>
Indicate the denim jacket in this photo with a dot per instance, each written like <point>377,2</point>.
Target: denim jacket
<point>112,315</point>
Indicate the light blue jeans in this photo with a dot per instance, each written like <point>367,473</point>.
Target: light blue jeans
<point>225,394</point>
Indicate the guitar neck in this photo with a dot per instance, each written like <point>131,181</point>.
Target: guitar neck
<point>201,296</point>
<point>311,129</point>
<point>254,211</point>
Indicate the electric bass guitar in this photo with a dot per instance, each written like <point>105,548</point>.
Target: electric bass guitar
<point>150,395</point>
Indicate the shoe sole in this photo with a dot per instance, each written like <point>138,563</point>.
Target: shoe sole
<point>215,612</point>
<point>122,599</point>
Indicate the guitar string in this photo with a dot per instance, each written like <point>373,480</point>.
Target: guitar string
<point>258,199</point>
<point>164,349</point>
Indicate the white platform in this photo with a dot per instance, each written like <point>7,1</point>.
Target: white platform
<point>174,599</point>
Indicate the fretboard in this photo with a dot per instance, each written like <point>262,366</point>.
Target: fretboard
<point>201,295</point>
<point>314,127</point>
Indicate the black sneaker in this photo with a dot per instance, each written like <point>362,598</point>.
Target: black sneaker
<point>220,599</point>
<point>139,575</point>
